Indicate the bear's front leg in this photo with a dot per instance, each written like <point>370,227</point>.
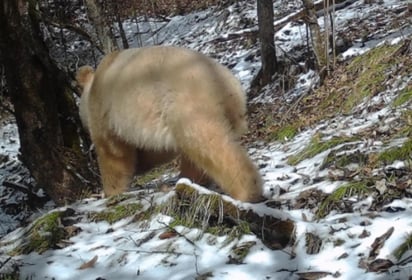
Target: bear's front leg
<point>117,164</point>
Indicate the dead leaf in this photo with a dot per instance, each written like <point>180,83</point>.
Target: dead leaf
<point>313,243</point>
<point>167,235</point>
<point>380,265</point>
<point>89,264</point>
<point>72,230</point>
<point>313,275</point>
<point>364,234</point>
<point>379,242</point>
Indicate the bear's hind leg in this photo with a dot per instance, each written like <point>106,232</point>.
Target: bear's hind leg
<point>117,164</point>
<point>189,170</point>
<point>210,144</point>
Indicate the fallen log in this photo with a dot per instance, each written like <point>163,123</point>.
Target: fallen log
<point>210,210</point>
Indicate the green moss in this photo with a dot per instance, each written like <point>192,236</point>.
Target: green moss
<point>44,234</point>
<point>117,213</point>
<point>404,96</point>
<point>403,152</point>
<point>316,146</point>
<point>339,195</point>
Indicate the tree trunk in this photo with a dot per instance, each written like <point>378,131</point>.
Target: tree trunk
<point>318,44</point>
<point>267,40</point>
<point>105,38</point>
<point>116,10</point>
<point>44,107</point>
<point>122,33</point>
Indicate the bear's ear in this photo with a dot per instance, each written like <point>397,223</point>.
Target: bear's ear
<point>84,76</point>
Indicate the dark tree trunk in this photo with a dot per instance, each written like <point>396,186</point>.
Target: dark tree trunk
<point>44,107</point>
<point>116,10</point>
<point>122,33</point>
<point>267,40</point>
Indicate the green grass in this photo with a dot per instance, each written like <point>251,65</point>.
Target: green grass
<point>370,70</point>
<point>343,192</point>
<point>403,152</point>
<point>344,159</point>
<point>364,77</point>
<point>404,96</point>
<point>284,133</point>
<point>316,146</point>
<point>403,248</point>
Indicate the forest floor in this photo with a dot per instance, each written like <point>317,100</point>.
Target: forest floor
<point>335,159</point>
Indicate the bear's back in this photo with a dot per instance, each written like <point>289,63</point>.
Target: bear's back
<point>146,87</point>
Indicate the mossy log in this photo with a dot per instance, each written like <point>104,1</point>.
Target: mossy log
<point>213,210</point>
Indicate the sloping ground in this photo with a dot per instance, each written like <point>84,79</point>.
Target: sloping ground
<point>14,205</point>
<point>339,171</point>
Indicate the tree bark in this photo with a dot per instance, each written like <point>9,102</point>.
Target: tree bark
<point>122,33</point>
<point>44,107</point>
<point>318,44</point>
<point>116,9</point>
<point>105,37</point>
<point>267,40</point>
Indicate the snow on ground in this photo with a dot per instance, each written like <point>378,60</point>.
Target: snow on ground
<point>133,250</point>
<point>11,169</point>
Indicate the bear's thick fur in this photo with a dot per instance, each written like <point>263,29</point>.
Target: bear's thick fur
<point>145,106</point>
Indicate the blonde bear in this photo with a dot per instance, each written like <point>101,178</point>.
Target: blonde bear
<point>145,106</point>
